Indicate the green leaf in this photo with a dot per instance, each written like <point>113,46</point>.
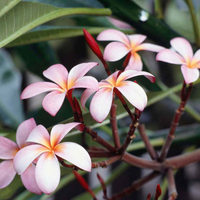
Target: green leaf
<point>143,21</point>
<point>6,5</point>
<point>11,111</point>
<point>26,16</point>
<point>45,33</point>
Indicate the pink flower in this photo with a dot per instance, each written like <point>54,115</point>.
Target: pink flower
<point>64,85</point>
<point>8,150</point>
<point>123,44</point>
<point>47,150</point>
<point>102,100</point>
<point>184,56</point>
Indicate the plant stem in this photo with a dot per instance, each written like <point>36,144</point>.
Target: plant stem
<point>172,192</point>
<point>194,22</point>
<point>158,9</point>
<point>149,147</point>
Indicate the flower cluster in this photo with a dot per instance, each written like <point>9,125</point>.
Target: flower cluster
<point>36,155</point>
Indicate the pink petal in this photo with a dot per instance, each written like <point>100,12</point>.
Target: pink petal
<point>38,88</point>
<point>85,96</point>
<point>47,173</point>
<point>86,82</point>
<point>58,132</point>
<point>195,63</point>
<point>79,71</point>
<point>190,75</point>
<point>134,94</point>
<point>135,62</point>
<point>113,35</point>
<point>28,179</point>
<point>24,130</point>
<point>169,56</point>
<point>115,51</point>
<point>136,39</point>
<point>7,173</point>
<point>53,101</point>
<point>101,104</point>
<point>119,24</point>
<point>110,80</point>
<point>40,135</point>
<point>8,148</point>
<point>133,73</point>
<point>26,156</point>
<point>58,74</point>
<point>183,47</point>
<point>150,47</point>
<point>74,154</point>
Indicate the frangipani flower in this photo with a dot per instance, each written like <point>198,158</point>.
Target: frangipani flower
<point>8,150</point>
<point>102,100</point>
<point>184,56</point>
<point>123,44</point>
<point>64,84</point>
<point>48,149</point>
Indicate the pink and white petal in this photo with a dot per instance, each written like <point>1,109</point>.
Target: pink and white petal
<point>7,173</point>
<point>38,88</point>
<point>119,24</point>
<point>40,135</point>
<point>110,80</point>
<point>47,173</point>
<point>190,75</point>
<point>85,96</point>
<point>195,63</point>
<point>28,179</point>
<point>58,74</point>
<point>26,156</point>
<point>58,132</point>
<point>24,130</point>
<point>136,39</point>
<point>134,94</point>
<point>53,101</point>
<point>115,51</point>
<point>135,63</point>
<point>79,71</point>
<point>149,47</point>
<point>183,47</point>
<point>101,104</point>
<point>113,35</point>
<point>170,56</point>
<point>133,73</point>
<point>8,148</point>
<point>75,154</point>
<point>86,82</point>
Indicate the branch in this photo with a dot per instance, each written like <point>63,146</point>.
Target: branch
<point>172,192</point>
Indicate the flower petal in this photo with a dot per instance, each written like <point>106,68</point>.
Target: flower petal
<point>133,73</point>
<point>7,173</point>
<point>38,88</point>
<point>98,108</point>
<point>169,56</point>
<point>24,130</point>
<point>136,39</point>
<point>47,173</point>
<point>53,101</point>
<point>40,135</point>
<point>79,71</point>
<point>113,35</point>
<point>8,148</point>
<point>134,94</point>
<point>195,63</point>
<point>26,156</point>
<point>86,82</point>
<point>115,51</point>
<point>183,47</point>
<point>58,132</point>
<point>28,179</point>
<point>85,96</point>
<point>150,47</point>
<point>74,154</point>
<point>135,62</point>
<point>190,75</point>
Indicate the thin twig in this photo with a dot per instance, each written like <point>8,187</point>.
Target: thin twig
<point>149,147</point>
<point>172,192</point>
